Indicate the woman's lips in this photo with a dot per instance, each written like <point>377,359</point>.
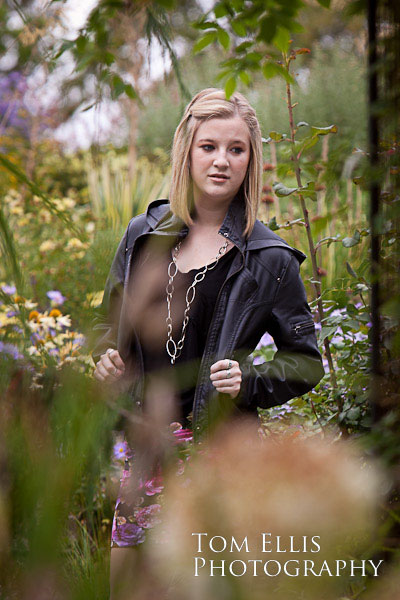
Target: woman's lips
<point>219,177</point>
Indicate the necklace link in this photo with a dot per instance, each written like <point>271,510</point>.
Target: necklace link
<point>173,348</point>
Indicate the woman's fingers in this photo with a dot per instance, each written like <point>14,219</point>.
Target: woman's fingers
<point>226,376</point>
<point>110,367</point>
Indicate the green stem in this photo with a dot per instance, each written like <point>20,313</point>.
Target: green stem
<point>316,276</point>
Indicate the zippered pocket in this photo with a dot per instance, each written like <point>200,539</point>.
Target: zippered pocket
<point>303,327</point>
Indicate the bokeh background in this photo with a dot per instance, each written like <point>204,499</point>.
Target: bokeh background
<point>90,96</point>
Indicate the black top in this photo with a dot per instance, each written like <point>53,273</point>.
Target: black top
<point>182,376</point>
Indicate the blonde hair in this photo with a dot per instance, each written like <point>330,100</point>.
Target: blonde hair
<point>209,104</point>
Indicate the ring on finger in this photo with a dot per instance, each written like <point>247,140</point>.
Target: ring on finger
<point>110,351</point>
<point>228,373</point>
<point>229,364</point>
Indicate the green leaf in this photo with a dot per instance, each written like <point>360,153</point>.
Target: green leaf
<point>351,271</point>
<point>130,91</point>
<point>274,135</point>
<point>282,39</point>
<point>267,28</point>
<point>220,10</point>
<point>324,3</point>
<point>348,242</point>
<point>230,87</point>
<point>118,86</point>
<point>269,70</point>
<point>238,28</point>
<point>245,77</point>
<point>282,191</point>
<point>243,47</point>
<point>272,69</point>
<point>205,41</point>
<point>204,25</point>
<point>223,38</point>
<point>324,130</point>
<point>272,224</point>
<point>308,190</point>
<point>109,58</point>
<point>66,45</point>
<point>168,4</point>
<point>81,43</point>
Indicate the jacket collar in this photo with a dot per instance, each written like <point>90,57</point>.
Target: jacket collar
<point>163,222</point>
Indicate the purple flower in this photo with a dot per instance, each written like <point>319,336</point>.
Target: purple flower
<point>80,340</point>
<point>56,297</point>
<point>11,313</point>
<point>121,450</point>
<point>128,534</point>
<point>11,350</point>
<point>259,360</point>
<point>54,351</point>
<point>266,340</point>
<point>148,516</point>
<point>9,289</point>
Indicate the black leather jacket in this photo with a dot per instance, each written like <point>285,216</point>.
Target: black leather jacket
<point>262,292</point>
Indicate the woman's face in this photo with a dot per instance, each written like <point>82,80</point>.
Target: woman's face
<point>219,157</point>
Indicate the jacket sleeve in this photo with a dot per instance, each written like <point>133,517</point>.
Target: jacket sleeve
<point>297,365</point>
<point>105,322</point>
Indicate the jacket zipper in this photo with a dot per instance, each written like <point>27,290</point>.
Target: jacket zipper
<point>305,325</point>
<point>196,408</point>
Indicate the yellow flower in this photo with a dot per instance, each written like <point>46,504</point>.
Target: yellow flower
<point>75,243</point>
<point>55,313</point>
<point>33,315</point>
<point>46,246</point>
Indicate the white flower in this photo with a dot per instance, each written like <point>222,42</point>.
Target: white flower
<point>64,320</point>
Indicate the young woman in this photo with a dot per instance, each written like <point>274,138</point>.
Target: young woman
<point>198,280</point>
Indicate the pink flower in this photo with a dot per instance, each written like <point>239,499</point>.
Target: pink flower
<point>153,486</point>
<point>183,435</point>
<point>148,516</point>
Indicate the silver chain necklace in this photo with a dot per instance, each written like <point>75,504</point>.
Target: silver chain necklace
<point>174,349</point>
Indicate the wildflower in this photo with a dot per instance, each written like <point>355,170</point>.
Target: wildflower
<point>64,321</point>
<point>183,435</point>
<point>33,316</point>
<point>266,340</point>
<point>9,289</point>
<point>153,486</point>
<point>55,313</point>
<point>148,516</point>
<point>121,450</point>
<point>47,245</point>
<point>11,350</point>
<point>56,297</point>
<point>128,534</point>
<point>258,360</point>
<point>268,199</point>
<point>268,167</point>
<point>75,244</point>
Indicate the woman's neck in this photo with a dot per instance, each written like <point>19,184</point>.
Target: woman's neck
<point>209,218</point>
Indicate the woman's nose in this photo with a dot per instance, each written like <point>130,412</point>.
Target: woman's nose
<point>221,160</point>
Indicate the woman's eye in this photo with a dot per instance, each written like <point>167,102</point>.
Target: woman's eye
<point>207,147</point>
<point>237,150</point>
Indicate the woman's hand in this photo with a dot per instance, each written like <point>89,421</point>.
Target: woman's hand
<point>110,367</point>
<point>226,377</point>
